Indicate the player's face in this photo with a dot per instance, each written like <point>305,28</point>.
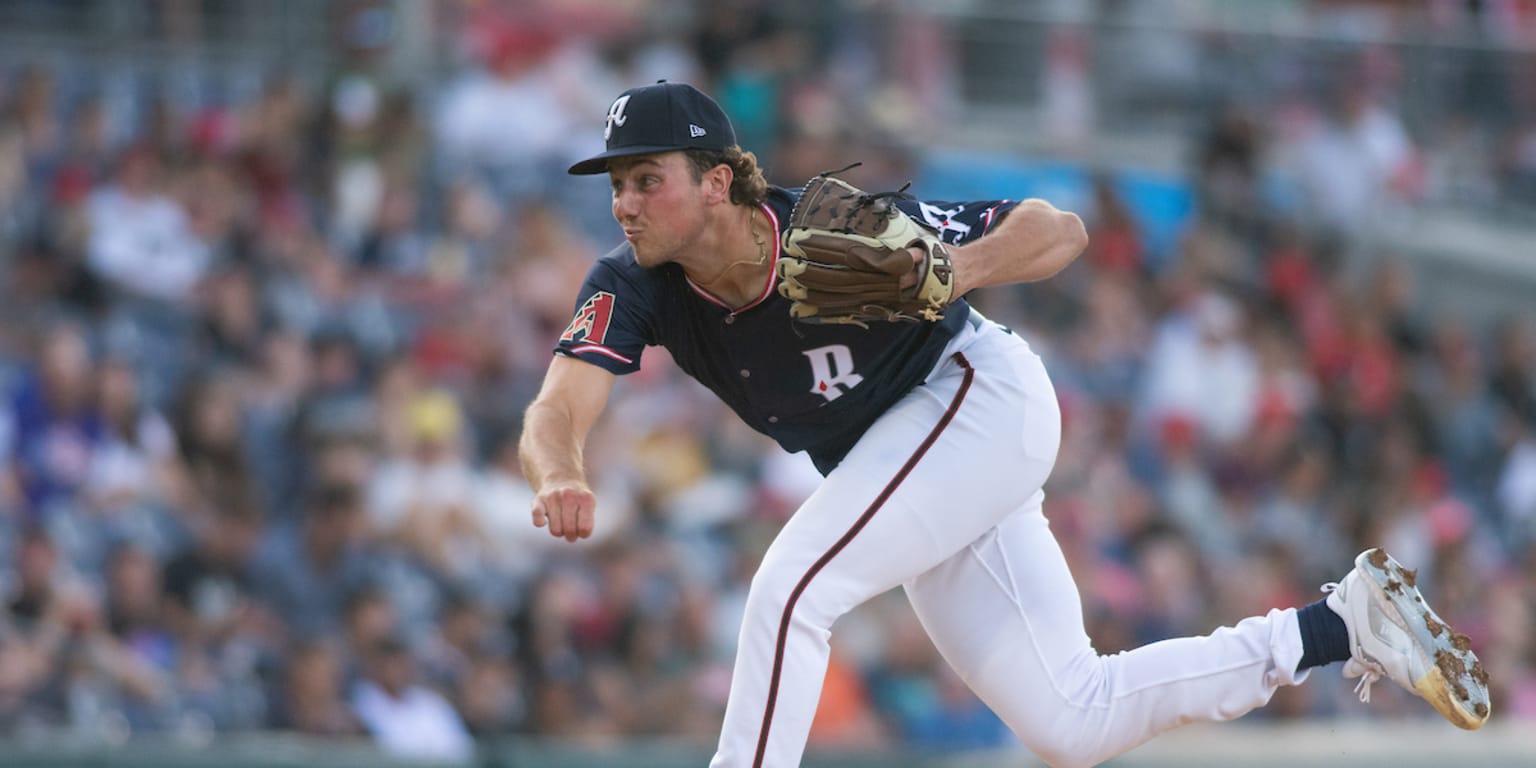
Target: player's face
<point>658,203</point>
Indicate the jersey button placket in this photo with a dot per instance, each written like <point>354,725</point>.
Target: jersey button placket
<point>729,319</point>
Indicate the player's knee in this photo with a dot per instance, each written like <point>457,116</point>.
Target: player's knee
<point>1066,742</point>
<point>780,594</point>
<point>1065,746</point>
<point>1062,722</point>
<point>768,595</point>
<point>1049,738</point>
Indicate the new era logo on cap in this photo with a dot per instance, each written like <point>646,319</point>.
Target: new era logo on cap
<point>663,117</point>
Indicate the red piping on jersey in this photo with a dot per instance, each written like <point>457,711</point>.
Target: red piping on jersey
<point>601,350</point>
<point>773,271</point>
<point>858,525</point>
<point>991,213</point>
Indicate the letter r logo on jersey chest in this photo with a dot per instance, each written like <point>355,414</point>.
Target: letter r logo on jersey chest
<point>832,371</point>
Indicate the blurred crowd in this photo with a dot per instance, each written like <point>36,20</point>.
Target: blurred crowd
<point>263,364</point>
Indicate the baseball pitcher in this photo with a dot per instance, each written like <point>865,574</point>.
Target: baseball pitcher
<point>833,320</point>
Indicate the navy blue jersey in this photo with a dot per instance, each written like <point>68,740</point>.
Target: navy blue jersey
<point>813,388</point>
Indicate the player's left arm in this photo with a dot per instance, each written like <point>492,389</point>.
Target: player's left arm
<point>1034,241</point>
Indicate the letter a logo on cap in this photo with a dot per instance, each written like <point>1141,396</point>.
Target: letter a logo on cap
<point>615,116</point>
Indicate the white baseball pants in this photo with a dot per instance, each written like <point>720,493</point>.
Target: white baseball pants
<point>943,497</point>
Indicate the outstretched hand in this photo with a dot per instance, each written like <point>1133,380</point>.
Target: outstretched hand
<point>566,508</point>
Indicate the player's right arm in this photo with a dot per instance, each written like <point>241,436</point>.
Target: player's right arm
<point>555,429</point>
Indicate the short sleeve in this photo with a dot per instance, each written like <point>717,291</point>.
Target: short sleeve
<point>610,326</point>
<point>957,223</point>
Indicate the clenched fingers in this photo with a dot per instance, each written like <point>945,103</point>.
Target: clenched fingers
<point>567,510</point>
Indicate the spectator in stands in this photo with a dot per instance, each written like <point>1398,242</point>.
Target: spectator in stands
<point>208,424</point>
<point>222,627</point>
<point>491,698</point>
<point>34,590</point>
<point>958,722</point>
<point>13,178</point>
<point>394,245</point>
<point>210,591</point>
<point>423,501</point>
<point>1359,158</point>
<point>368,617</point>
<point>69,666</point>
<point>55,427</point>
<point>335,402</point>
<point>234,324</point>
<point>141,240</point>
<point>37,114</point>
<point>510,117</point>
<point>305,572</point>
<point>1228,168</point>
<point>1514,366</point>
<point>273,391</point>
<point>1201,367</point>
<point>136,468</point>
<point>136,622</point>
<point>1516,489</point>
<point>469,658</point>
<point>407,719</point>
<point>501,487</point>
<point>462,629</point>
<point>1114,243</point>
<point>311,700</point>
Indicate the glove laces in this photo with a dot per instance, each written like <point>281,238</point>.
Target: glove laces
<point>899,194</point>
<point>1368,670</point>
<point>872,197</point>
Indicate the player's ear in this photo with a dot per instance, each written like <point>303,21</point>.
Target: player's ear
<point>717,183</point>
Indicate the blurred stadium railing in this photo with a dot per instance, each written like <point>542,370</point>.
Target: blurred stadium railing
<point>1232,745</point>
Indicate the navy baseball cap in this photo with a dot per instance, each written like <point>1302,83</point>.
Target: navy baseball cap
<point>660,118</point>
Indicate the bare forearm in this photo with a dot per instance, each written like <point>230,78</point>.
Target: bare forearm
<point>550,448</point>
<point>1034,241</point>
<point>555,428</point>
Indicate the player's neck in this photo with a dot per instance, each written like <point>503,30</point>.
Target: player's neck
<point>733,260</point>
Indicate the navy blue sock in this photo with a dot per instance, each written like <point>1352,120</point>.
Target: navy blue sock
<point>1324,638</point>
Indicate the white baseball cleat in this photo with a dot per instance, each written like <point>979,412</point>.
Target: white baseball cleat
<point>1394,634</point>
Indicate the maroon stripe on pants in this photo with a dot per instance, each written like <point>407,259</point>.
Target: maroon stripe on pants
<point>858,525</point>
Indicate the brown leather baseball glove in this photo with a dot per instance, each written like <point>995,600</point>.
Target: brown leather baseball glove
<point>845,259</point>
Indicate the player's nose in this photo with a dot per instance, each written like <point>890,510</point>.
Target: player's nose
<point>626,204</point>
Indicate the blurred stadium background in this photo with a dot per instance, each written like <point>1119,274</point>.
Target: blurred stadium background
<point>281,275</point>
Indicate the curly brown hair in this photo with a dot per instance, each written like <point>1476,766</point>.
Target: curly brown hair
<point>748,187</point>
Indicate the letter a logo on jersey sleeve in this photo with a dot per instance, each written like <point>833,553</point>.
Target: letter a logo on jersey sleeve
<point>832,370</point>
<point>591,321</point>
